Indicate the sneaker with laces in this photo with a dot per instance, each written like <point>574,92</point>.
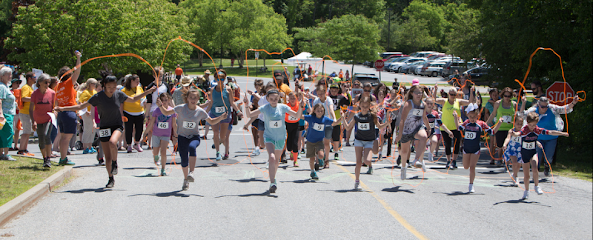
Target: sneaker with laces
<point>86,151</point>
<point>27,153</point>
<point>185,185</point>
<point>110,183</point>
<point>296,163</point>
<point>416,164</point>
<point>138,147</point>
<point>256,152</point>
<point>129,149</point>
<point>113,167</point>
<point>336,157</point>
<point>514,183</point>
<point>423,166</point>
<point>218,157</point>
<point>403,174</point>
<point>163,172</point>
<point>225,157</point>
<point>273,187</point>
<point>471,188</point>
<point>370,171</point>
<point>303,151</point>
<point>46,163</point>
<point>314,175</point>
<point>538,190</point>
<point>357,185</point>
<point>93,150</point>
<point>65,161</point>
<point>525,195</point>
<point>430,157</point>
<point>101,162</point>
<point>190,177</point>
<point>213,146</point>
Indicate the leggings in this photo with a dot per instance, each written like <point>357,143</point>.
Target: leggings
<point>134,122</point>
<point>447,140</point>
<point>185,146</point>
<point>388,136</point>
<point>44,134</point>
<point>292,141</point>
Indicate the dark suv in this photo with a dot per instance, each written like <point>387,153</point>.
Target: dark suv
<point>366,78</point>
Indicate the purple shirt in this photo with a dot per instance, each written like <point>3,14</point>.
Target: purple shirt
<point>162,124</point>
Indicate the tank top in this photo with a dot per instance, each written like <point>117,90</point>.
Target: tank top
<point>507,117</point>
<point>414,118</point>
<point>447,116</point>
<point>220,106</point>
<point>365,127</point>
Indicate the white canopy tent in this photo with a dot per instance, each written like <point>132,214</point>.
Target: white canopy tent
<point>303,57</point>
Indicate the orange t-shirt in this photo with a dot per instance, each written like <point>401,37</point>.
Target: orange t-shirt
<point>291,119</point>
<point>65,94</point>
<point>178,71</point>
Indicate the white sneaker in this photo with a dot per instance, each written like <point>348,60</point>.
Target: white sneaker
<point>255,152</point>
<point>415,163</point>
<point>538,190</point>
<point>471,188</point>
<point>514,184</point>
<point>403,174</point>
<point>525,195</point>
<point>190,177</point>
<point>430,157</point>
<point>356,185</point>
<point>423,166</point>
<point>185,185</point>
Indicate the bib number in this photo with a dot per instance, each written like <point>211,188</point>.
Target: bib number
<point>219,109</point>
<point>291,118</point>
<point>516,139</point>
<point>163,125</point>
<point>105,133</point>
<point>507,119</point>
<point>470,135</point>
<point>431,124</point>
<point>318,127</point>
<point>189,125</point>
<point>275,124</point>
<point>364,126</point>
<point>529,145</point>
<point>417,112</point>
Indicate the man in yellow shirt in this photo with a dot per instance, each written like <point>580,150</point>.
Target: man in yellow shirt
<point>279,77</point>
<point>26,92</point>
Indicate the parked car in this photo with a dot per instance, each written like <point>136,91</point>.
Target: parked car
<point>433,69</point>
<point>477,73</point>
<point>396,66</point>
<point>409,68</point>
<point>423,54</point>
<point>450,67</point>
<point>366,77</point>
<point>387,67</point>
<point>387,55</point>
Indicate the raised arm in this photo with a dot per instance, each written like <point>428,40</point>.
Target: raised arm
<point>140,96</point>
<point>77,68</point>
<point>248,111</point>
<point>494,111</point>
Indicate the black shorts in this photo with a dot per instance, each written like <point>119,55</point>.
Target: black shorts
<point>301,128</point>
<point>107,137</point>
<point>336,132</point>
<point>255,123</point>
<point>501,135</point>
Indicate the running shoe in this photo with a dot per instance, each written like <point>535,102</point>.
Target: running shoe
<point>314,175</point>
<point>65,161</point>
<point>546,170</point>
<point>348,144</point>
<point>185,186</point>
<point>273,187</point>
<point>454,164</point>
<point>46,163</point>
<point>283,160</point>
<point>538,190</point>
<point>156,159</point>
<point>380,157</point>
<point>321,161</point>
<point>213,146</point>
<point>296,163</point>
<point>256,152</point>
<point>20,152</point>
<point>129,149</point>
<point>370,171</point>
<point>93,150</point>
<point>110,183</point>
<point>331,150</point>
<point>218,157</point>
<point>423,166</point>
<point>399,160</point>
<point>303,151</point>
<point>316,166</point>
<point>514,184</point>
<point>225,157</point>
<point>190,177</point>
<point>525,195</point>
<point>415,163</point>
<point>9,158</point>
<point>357,185</point>
<point>27,153</point>
<point>448,164</point>
<point>163,173</point>
<point>138,148</point>
<point>101,162</point>
<point>86,151</point>
<point>336,157</point>
<point>403,174</point>
<point>299,156</point>
<point>491,162</point>
<point>430,157</point>
<point>113,167</point>
<point>471,188</point>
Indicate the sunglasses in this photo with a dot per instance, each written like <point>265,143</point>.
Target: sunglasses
<point>543,106</point>
<point>367,90</point>
<point>507,96</point>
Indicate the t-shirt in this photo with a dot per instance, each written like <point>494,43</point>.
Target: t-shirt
<point>26,91</point>
<point>365,127</point>
<point>85,96</point>
<point>178,96</point>
<point>529,137</point>
<point>108,108</point>
<point>133,108</point>
<point>8,100</point>
<point>188,120</point>
<point>305,110</point>
<point>316,129</point>
<point>291,119</point>
<point>339,102</point>
<point>328,104</point>
<point>153,96</point>
<point>274,120</point>
<point>163,123</point>
<point>65,94</point>
<point>178,71</point>
<point>433,119</point>
<point>472,134</point>
<point>43,103</point>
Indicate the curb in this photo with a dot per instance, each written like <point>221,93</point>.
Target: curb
<point>21,203</point>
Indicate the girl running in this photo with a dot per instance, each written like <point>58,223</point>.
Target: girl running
<point>292,129</point>
<point>275,131</point>
<point>328,104</point>
<point>188,118</point>
<point>222,101</point>
<point>503,109</point>
<point>160,128</point>
<point>340,102</point>
<point>108,103</point>
<point>512,147</point>
<point>315,136</point>
<point>435,122</point>
<point>473,128</point>
<point>364,123</point>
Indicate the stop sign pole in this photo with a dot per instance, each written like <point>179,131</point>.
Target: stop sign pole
<point>560,93</point>
<point>379,64</point>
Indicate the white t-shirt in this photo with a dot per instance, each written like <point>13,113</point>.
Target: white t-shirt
<point>328,104</point>
<point>262,101</point>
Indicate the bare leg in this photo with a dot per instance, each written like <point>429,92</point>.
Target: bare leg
<point>358,151</point>
<point>64,142</point>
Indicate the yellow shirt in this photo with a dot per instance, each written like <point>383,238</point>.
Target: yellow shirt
<point>84,97</point>
<point>286,90</point>
<point>133,107</point>
<point>26,91</point>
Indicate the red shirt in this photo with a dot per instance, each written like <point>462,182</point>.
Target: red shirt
<point>178,71</point>
<point>290,119</point>
<point>44,103</point>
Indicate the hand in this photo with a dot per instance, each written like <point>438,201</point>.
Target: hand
<point>565,134</point>
<point>34,126</point>
<point>504,148</point>
<point>152,89</point>
<point>540,145</point>
<point>399,137</point>
<point>451,135</point>
<point>246,127</point>
<point>78,54</point>
<point>159,103</point>
<point>523,98</point>
<point>224,115</point>
<point>58,109</point>
<point>249,92</point>
<point>240,114</point>
<point>245,100</point>
<point>500,120</point>
<point>455,114</point>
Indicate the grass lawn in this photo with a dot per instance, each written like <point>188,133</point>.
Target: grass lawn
<point>192,67</point>
<point>19,176</point>
<point>573,164</point>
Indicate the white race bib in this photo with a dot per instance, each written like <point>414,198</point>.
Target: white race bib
<point>470,135</point>
<point>189,125</point>
<point>318,127</point>
<point>219,109</point>
<point>516,139</point>
<point>275,124</point>
<point>364,126</point>
<point>431,124</point>
<point>529,145</point>
<point>291,118</point>
<point>417,112</point>
<point>105,132</point>
<point>163,125</point>
<point>507,119</point>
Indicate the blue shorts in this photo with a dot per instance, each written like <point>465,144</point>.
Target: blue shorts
<point>226,120</point>
<point>363,144</point>
<point>261,125</point>
<point>328,132</point>
<point>67,122</point>
<point>513,149</point>
<point>278,144</point>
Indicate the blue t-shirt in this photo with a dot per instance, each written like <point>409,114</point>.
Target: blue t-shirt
<point>305,110</point>
<point>274,120</point>
<point>316,130</point>
<point>8,100</point>
<point>546,121</point>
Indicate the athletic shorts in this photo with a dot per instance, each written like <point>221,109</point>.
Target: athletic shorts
<point>278,144</point>
<point>313,148</point>
<point>107,135</point>
<point>26,123</point>
<point>301,128</point>
<point>409,137</point>
<point>336,132</point>
<point>438,136</point>
<point>363,144</point>
<point>328,132</point>
<point>156,140</point>
<point>228,119</point>
<point>501,135</point>
<point>261,126</point>
<point>478,152</point>
<point>67,122</point>
<point>527,155</point>
<point>255,123</point>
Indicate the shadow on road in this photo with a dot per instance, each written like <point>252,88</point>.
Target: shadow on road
<point>97,190</point>
<point>177,193</point>
<point>139,168</point>
<point>458,193</point>
<point>264,194</point>
<point>493,172</point>
<point>303,181</point>
<point>397,189</point>
<point>249,180</point>
<point>522,201</point>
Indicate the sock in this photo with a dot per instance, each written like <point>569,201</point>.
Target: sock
<point>111,178</point>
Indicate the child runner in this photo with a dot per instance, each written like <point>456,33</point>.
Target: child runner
<point>292,129</point>
<point>339,102</point>
<point>435,122</point>
<point>160,126</point>
<point>189,116</point>
<point>315,136</point>
<point>328,104</point>
<point>275,132</point>
<point>108,103</point>
<point>512,147</point>
<point>473,128</point>
<point>365,134</point>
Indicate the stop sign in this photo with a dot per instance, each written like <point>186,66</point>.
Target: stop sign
<point>558,92</point>
<point>379,65</point>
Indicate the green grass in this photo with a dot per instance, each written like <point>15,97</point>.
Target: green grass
<point>19,176</point>
<point>192,67</point>
<point>573,164</point>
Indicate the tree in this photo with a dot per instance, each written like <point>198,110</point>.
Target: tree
<point>48,32</point>
<point>414,35</point>
<point>463,32</point>
<point>430,18</point>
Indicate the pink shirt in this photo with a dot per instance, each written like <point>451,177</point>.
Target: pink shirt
<point>44,103</point>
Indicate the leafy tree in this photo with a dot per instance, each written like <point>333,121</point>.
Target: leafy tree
<point>428,16</point>
<point>463,32</point>
<point>414,35</point>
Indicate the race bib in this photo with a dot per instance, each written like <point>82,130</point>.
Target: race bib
<point>189,125</point>
<point>275,124</point>
<point>163,125</point>
<point>516,139</point>
<point>529,145</point>
<point>291,118</point>
<point>507,119</point>
<point>219,109</point>
<point>470,135</point>
<point>364,126</point>
<point>431,124</point>
<point>417,112</point>
<point>318,127</point>
<point>104,133</point>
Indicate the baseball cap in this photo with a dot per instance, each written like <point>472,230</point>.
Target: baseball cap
<point>415,82</point>
<point>15,80</point>
<point>334,86</point>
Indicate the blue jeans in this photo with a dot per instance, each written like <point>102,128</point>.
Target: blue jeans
<point>549,148</point>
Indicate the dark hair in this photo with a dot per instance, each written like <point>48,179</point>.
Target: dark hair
<point>128,84</point>
<point>537,83</point>
<point>532,117</point>
<point>62,71</point>
<point>164,94</point>
<point>29,75</point>
<point>107,77</point>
